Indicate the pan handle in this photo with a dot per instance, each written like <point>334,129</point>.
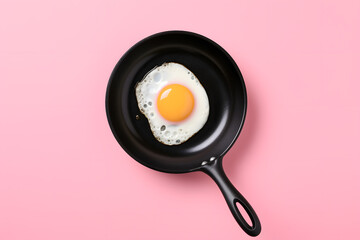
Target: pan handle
<point>215,170</point>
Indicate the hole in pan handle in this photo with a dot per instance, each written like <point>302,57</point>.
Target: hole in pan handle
<point>232,196</point>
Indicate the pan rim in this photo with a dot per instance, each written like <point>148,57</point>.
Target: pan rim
<point>111,79</point>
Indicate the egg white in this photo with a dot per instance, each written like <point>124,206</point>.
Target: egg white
<point>147,90</point>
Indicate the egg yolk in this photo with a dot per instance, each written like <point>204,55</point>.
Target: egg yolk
<point>175,102</point>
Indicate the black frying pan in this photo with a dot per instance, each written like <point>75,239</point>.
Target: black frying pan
<point>224,85</point>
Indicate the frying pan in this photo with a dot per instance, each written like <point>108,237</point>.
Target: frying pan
<point>225,87</point>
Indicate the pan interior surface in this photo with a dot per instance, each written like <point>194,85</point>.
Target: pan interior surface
<point>220,78</point>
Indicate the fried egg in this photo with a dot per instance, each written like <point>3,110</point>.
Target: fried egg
<point>173,101</point>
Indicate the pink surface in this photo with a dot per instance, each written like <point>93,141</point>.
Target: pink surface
<point>63,175</point>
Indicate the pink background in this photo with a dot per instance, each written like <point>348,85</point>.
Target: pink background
<point>63,175</point>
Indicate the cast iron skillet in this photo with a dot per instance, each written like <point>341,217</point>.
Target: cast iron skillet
<point>224,85</point>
